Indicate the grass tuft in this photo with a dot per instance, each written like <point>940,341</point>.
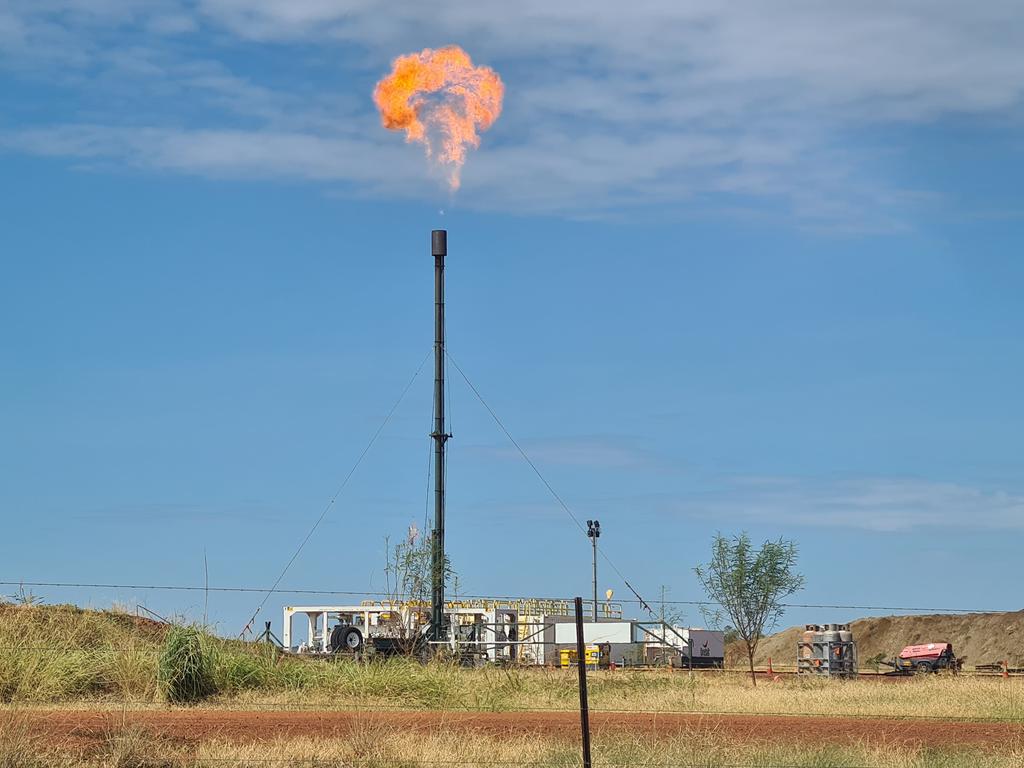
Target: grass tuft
<point>186,669</point>
<point>19,748</point>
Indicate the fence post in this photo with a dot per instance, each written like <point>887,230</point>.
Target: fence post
<point>1006,668</point>
<point>581,665</point>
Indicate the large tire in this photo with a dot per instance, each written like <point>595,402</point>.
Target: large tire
<point>924,668</point>
<point>335,643</point>
<point>346,639</point>
<point>352,639</point>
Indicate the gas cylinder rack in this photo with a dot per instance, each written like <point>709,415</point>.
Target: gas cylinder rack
<point>827,650</point>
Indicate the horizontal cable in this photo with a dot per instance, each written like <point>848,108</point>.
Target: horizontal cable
<point>388,596</point>
<point>310,762</point>
<point>337,493</point>
<point>127,707</point>
<point>314,762</point>
<point>544,480</point>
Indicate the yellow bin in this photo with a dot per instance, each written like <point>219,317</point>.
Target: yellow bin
<point>567,656</point>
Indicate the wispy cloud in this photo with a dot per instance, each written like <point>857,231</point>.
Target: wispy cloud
<point>873,504</point>
<point>610,105</point>
<point>596,451</point>
<point>147,513</point>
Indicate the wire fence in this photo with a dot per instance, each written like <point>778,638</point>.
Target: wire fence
<point>342,707</point>
<point>256,649</point>
<point>342,718</point>
<point>442,708</point>
<point>555,763</point>
<point>370,594</point>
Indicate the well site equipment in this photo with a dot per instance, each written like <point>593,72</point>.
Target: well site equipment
<point>524,631</point>
<point>926,658</point>
<point>528,631</point>
<point>827,650</point>
<point>490,633</point>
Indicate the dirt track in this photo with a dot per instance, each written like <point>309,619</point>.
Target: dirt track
<point>89,727</point>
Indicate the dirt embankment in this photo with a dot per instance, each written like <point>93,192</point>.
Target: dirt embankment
<point>983,638</point>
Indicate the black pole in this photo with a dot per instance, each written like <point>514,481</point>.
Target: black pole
<point>439,248</point>
<point>581,665</point>
<point>594,531</point>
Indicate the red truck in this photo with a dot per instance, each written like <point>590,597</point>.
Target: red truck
<point>927,657</point>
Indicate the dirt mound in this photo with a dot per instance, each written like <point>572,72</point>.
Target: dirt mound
<point>983,638</point>
<point>89,627</point>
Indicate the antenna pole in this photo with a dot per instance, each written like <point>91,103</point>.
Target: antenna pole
<point>439,248</point>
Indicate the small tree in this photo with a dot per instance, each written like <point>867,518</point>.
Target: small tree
<point>750,585</point>
<point>408,573</point>
<point>24,598</point>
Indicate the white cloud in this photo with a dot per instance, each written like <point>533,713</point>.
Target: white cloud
<point>172,24</point>
<point>596,451</point>
<point>218,153</point>
<point>691,103</point>
<point>873,504</point>
<point>936,55</point>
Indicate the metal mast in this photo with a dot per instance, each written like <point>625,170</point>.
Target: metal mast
<point>594,531</point>
<point>439,248</point>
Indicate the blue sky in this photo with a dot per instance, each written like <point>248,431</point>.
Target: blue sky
<point>717,270</point>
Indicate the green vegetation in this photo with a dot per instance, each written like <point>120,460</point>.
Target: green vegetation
<point>750,585</point>
<point>60,656</point>
<point>56,655</point>
<point>186,668</point>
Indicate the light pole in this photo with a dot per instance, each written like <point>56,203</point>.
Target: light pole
<point>593,531</point>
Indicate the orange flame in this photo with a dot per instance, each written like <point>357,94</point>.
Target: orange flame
<point>468,100</point>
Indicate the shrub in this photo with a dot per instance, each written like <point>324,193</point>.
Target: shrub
<point>186,666</point>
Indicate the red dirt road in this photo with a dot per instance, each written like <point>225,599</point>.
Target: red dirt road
<point>189,726</point>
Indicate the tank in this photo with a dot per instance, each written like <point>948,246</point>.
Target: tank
<point>827,650</point>
<point>807,639</point>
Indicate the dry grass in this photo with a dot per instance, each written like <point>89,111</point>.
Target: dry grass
<point>61,656</point>
<point>19,748</point>
<point>932,696</point>
<point>408,685</point>
<point>377,746</point>
<point>56,655</point>
<point>416,687</point>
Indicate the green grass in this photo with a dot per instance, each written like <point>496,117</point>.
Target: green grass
<point>59,655</point>
<point>63,656</point>
<point>185,671</point>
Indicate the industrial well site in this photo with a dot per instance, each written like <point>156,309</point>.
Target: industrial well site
<point>583,385</point>
<point>482,680</point>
